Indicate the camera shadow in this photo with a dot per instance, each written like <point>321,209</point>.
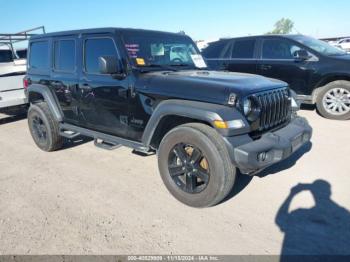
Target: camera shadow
<point>321,230</point>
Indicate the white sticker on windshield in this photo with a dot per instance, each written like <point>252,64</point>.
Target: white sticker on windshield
<point>198,61</point>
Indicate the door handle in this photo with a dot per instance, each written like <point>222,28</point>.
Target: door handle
<point>265,67</point>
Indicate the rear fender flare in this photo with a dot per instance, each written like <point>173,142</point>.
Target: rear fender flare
<point>49,98</point>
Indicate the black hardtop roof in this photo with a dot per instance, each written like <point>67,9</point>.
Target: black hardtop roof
<point>99,31</point>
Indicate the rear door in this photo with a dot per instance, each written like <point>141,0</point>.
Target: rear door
<point>64,78</point>
<point>241,56</point>
<point>277,60</point>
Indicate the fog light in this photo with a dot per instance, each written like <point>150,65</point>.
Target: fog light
<point>262,157</point>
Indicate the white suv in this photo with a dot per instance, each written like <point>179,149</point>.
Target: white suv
<point>12,71</point>
<point>13,66</point>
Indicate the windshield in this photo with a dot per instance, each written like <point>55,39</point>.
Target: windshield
<point>319,46</point>
<point>160,50</point>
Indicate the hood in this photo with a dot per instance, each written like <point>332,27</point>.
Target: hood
<point>208,86</point>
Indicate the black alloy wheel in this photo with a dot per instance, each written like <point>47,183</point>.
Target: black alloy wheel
<point>39,129</point>
<point>188,168</point>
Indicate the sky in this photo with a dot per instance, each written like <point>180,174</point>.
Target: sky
<point>200,19</point>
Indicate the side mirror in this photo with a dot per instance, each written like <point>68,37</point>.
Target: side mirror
<point>109,65</point>
<point>301,55</point>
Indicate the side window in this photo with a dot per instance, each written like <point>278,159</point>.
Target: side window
<point>64,59</point>
<point>39,55</point>
<point>94,48</point>
<point>278,49</point>
<point>243,49</point>
<point>6,56</point>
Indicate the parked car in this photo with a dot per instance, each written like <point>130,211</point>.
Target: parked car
<point>343,44</point>
<point>12,72</point>
<point>124,87</point>
<point>318,72</point>
<point>13,65</point>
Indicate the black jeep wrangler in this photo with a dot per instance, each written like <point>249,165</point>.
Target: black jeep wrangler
<point>151,91</point>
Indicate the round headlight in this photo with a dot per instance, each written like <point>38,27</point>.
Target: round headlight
<point>247,106</point>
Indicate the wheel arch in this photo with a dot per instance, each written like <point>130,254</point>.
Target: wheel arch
<point>171,113</point>
<point>168,122</point>
<point>38,93</point>
<point>325,81</point>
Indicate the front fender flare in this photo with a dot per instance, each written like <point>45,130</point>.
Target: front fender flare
<point>201,111</point>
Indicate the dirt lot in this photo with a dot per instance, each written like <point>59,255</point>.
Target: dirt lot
<point>85,200</point>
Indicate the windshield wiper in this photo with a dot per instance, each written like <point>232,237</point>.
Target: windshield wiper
<point>180,64</point>
<point>189,65</point>
<point>166,67</point>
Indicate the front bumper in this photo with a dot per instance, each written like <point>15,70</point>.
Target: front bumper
<point>272,147</point>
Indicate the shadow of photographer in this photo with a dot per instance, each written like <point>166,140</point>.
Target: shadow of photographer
<point>321,230</point>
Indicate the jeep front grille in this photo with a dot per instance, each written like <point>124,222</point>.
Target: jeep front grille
<point>275,108</point>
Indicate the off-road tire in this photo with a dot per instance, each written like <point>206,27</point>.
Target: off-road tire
<point>321,94</point>
<point>222,172</point>
<point>42,112</point>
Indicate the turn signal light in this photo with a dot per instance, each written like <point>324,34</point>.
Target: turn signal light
<point>234,124</point>
<point>220,124</point>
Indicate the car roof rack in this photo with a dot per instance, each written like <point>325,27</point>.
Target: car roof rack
<point>10,39</point>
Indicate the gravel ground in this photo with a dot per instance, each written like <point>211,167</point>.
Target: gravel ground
<point>85,200</point>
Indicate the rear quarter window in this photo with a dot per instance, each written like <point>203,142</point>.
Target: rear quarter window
<point>39,55</point>
<point>215,49</point>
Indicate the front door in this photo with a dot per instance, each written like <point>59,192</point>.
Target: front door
<point>278,61</point>
<point>104,99</point>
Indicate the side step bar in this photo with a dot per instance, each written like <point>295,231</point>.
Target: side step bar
<point>69,134</point>
<point>105,145</point>
<point>101,140</point>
